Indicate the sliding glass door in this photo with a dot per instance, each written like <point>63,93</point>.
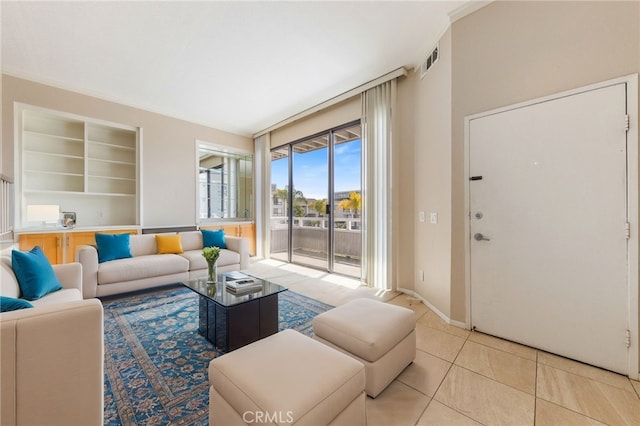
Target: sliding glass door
<point>279,222</point>
<point>316,192</point>
<point>309,230</point>
<point>347,196</point>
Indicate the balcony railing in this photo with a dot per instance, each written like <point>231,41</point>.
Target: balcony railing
<point>310,238</point>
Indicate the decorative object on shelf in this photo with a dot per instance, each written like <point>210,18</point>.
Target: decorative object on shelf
<point>45,214</point>
<point>211,255</point>
<point>68,219</point>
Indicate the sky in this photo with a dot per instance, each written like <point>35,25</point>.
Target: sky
<point>310,170</point>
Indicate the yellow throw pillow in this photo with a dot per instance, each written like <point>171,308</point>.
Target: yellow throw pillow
<point>169,244</point>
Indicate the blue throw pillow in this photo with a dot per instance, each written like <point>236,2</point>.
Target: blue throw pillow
<point>12,304</point>
<point>213,238</point>
<point>112,247</point>
<point>34,273</point>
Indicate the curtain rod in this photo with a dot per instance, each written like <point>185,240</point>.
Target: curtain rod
<point>400,72</point>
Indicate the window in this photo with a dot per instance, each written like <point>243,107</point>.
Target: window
<point>225,184</point>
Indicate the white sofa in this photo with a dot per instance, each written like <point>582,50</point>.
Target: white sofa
<point>146,268</point>
<point>51,355</point>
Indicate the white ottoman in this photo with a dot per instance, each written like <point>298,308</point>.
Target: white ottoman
<point>286,378</point>
<point>380,335</point>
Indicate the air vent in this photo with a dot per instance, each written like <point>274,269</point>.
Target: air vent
<point>429,62</point>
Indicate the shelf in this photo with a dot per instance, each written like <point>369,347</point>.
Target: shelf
<point>126,163</point>
<point>51,154</point>
<point>111,185</point>
<point>60,146</point>
<point>76,194</point>
<point>110,194</point>
<point>111,145</point>
<point>111,177</point>
<point>48,135</point>
<point>54,182</point>
<point>107,153</point>
<point>43,124</point>
<point>54,173</point>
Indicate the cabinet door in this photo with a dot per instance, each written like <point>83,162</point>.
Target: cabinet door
<point>231,230</point>
<point>75,239</point>
<point>51,245</point>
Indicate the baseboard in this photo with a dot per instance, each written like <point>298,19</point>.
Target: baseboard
<point>429,305</point>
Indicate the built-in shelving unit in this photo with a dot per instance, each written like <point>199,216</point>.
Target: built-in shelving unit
<point>84,165</point>
<point>53,153</point>
<point>111,157</point>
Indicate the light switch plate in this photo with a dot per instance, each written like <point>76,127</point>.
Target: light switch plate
<point>433,217</point>
<point>422,217</point>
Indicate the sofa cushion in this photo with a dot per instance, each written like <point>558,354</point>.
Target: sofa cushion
<point>61,296</point>
<point>8,281</point>
<point>112,247</point>
<point>213,238</point>
<point>142,245</point>
<point>34,273</point>
<point>169,244</point>
<point>191,240</point>
<point>197,260</point>
<point>140,267</point>
<point>12,304</point>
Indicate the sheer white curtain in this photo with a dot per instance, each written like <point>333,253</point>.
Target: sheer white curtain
<point>262,185</point>
<point>378,106</point>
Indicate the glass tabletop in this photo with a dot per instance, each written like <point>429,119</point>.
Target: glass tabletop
<point>219,293</point>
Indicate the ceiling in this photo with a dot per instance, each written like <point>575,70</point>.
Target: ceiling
<point>237,66</point>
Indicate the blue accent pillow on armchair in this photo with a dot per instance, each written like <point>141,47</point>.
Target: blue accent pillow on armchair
<point>112,247</point>
<point>213,238</point>
<point>34,273</point>
<point>12,304</point>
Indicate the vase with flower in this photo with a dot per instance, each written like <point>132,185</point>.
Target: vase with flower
<point>211,255</point>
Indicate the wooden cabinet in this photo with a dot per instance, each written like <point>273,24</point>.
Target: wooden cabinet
<point>245,230</point>
<point>60,247</point>
<point>51,244</point>
<point>82,165</point>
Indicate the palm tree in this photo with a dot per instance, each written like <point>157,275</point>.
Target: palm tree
<point>320,206</point>
<point>352,204</point>
<point>283,194</point>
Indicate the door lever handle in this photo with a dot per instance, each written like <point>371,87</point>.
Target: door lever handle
<point>479,237</point>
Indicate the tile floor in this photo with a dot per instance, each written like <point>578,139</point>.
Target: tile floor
<point>468,378</point>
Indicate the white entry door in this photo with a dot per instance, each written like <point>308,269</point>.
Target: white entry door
<point>548,215</point>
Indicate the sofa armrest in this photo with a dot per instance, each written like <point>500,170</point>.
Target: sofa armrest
<point>87,256</point>
<point>69,275</point>
<point>51,362</point>
<point>241,246</point>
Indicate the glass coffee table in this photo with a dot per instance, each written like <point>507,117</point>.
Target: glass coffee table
<point>232,320</point>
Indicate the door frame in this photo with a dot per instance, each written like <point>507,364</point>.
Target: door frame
<point>633,184</point>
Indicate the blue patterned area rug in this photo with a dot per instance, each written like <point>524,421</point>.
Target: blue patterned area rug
<point>156,361</point>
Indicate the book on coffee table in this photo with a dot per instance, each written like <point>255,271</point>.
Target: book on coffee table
<point>236,275</point>
<point>243,285</point>
<point>242,289</point>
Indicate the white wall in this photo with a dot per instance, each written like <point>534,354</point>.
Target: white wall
<point>432,179</point>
